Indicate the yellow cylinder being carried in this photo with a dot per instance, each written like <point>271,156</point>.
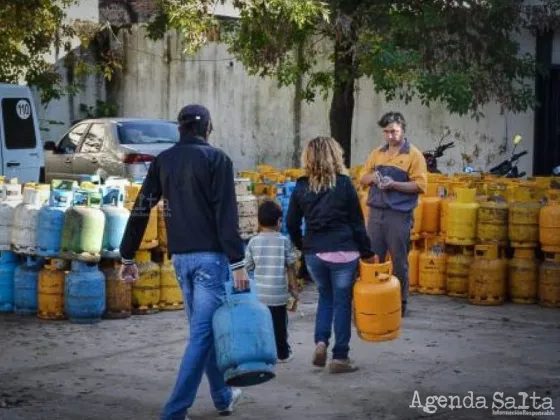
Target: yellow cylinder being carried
<point>523,272</point>
<point>492,216</point>
<point>462,217</point>
<point>413,266</point>
<point>524,217</point>
<point>377,303</point>
<point>459,260</point>
<point>149,240</point>
<point>549,223</point>
<point>146,291</point>
<point>171,296</point>
<point>431,279</point>
<point>549,281</point>
<point>50,290</point>
<point>487,276</point>
<point>431,210</point>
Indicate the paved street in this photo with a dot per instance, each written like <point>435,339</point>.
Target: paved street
<point>124,369</point>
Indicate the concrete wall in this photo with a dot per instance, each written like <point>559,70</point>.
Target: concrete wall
<point>256,122</point>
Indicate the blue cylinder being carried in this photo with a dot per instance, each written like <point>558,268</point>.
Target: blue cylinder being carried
<point>244,339</point>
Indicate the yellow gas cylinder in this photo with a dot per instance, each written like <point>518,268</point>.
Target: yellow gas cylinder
<point>265,168</point>
<point>417,218</point>
<point>161,227</point>
<point>481,193</point>
<point>487,276</point>
<point>524,217</point>
<point>431,210</point>
<point>377,302</point>
<point>253,176</point>
<point>146,290</point>
<point>523,272</point>
<point>262,189</point>
<point>549,281</point>
<point>118,294</point>
<point>462,217</point>
<point>413,266</point>
<point>295,173</point>
<point>446,199</point>
<point>549,222</point>
<point>151,234</point>
<point>459,260</point>
<point>543,185</point>
<point>431,267</point>
<point>492,216</point>
<point>50,290</point>
<point>171,296</point>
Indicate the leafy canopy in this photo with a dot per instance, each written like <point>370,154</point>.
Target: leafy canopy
<point>30,31</point>
<point>465,53</point>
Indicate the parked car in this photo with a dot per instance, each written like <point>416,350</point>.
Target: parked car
<point>21,148</point>
<point>122,147</point>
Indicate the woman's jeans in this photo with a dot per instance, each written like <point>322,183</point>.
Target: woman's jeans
<point>335,282</point>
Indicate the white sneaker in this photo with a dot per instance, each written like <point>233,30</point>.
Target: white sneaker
<point>287,359</point>
<point>236,394</point>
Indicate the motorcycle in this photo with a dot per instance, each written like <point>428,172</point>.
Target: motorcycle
<point>432,156</point>
<point>508,168</point>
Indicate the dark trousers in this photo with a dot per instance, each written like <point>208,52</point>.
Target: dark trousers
<point>280,322</point>
<point>389,230</point>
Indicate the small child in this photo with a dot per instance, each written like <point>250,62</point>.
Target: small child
<point>272,258</point>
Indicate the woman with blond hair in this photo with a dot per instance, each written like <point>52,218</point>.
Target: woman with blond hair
<point>335,238</point>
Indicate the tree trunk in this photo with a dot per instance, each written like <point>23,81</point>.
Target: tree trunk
<point>342,105</point>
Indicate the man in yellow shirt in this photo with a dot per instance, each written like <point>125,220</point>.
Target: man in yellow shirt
<point>396,174</point>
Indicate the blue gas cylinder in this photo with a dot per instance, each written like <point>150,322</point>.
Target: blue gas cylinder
<point>26,277</point>
<point>8,263</point>
<point>244,339</point>
<point>84,293</point>
<point>116,218</point>
<point>50,222</point>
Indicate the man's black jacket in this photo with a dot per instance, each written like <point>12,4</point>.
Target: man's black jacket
<point>196,182</point>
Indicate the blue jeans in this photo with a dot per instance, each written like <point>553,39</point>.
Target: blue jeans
<point>202,276</point>
<point>335,282</point>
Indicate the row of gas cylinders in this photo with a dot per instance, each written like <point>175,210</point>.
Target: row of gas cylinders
<point>483,273</point>
<point>463,218</point>
<point>85,292</point>
<point>83,223</point>
<point>247,208</point>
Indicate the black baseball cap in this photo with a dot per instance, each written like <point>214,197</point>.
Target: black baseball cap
<point>194,113</point>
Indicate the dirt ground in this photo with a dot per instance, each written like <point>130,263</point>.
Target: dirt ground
<point>124,369</point>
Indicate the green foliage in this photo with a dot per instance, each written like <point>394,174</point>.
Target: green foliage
<point>100,110</point>
<point>463,53</point>
<point>33,30</point>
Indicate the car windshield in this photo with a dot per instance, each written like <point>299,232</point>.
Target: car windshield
<point>146,132</point>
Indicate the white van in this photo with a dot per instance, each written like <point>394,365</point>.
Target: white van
<point>21,148</point>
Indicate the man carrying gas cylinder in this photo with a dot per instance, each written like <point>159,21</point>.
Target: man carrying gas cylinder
<point>395,174</point>
<point>196,181</point>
